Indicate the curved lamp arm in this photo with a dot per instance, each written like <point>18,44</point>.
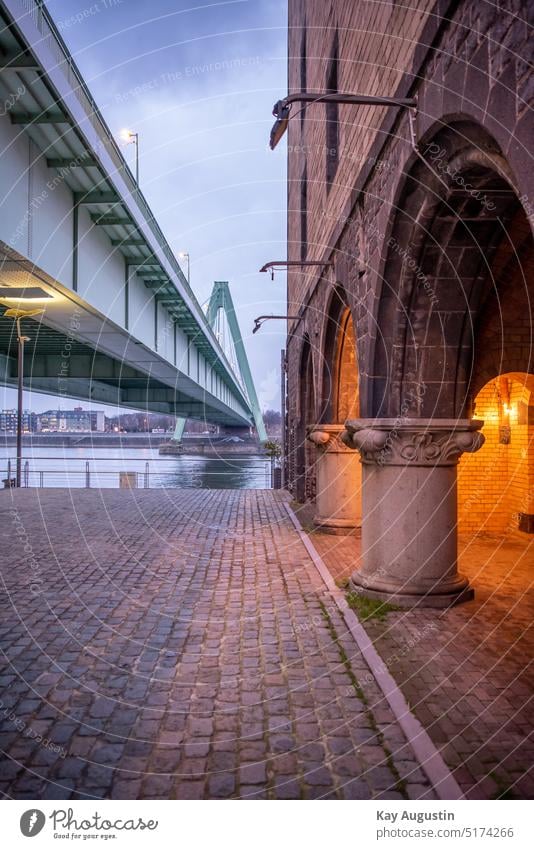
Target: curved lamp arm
<point>282,108</point>
<point>262,318</point>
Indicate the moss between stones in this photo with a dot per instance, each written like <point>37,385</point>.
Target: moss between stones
<point>369,608</point>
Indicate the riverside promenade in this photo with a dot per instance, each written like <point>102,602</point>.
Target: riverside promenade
<point>181,644</point>
<point>191,644</point>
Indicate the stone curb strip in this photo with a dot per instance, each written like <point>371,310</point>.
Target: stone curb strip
<point>429,758</point>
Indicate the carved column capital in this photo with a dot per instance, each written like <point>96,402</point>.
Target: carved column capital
<point>413,442</point>
<point>327,437</point>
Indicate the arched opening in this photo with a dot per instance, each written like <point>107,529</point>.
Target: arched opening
<point>347,404</point>
<point>340,382</point>
<point>454,312</point>
<point>496,485</point>
<point>455,306</point>
<point>304,478</point>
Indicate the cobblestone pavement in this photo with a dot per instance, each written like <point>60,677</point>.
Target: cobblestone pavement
<point>466,672</point>
<point>180,644</point>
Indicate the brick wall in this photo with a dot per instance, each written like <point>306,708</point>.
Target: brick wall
<point>460,58</point>
<point>376,46</point>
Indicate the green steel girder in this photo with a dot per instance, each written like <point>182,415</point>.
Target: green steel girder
<point>104,219</point>
<point>40,118</point>
<point>77,162</point>
<point>143,261</point>
<point>127,242</point>
<point>14,61</point>
<point>155,284</point>
<point>221,299</point>
<point>96,197</point>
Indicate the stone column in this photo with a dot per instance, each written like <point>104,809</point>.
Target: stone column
<point>338,481</point>
<point>409,508</point>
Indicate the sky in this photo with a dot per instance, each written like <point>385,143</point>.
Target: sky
<point>197,81</point>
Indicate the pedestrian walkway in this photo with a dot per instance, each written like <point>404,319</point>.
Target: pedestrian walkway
<point>181,644</point>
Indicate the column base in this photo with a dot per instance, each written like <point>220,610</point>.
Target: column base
<point>340,527</point>
<point>448,597</point>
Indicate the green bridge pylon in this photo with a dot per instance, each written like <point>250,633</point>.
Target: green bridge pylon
<point>221,299</point>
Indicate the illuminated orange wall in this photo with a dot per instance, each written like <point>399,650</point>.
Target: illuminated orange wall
<point>497,482</point>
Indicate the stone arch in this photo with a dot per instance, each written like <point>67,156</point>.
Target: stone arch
<point>340,385</point>
<point>456,238</point>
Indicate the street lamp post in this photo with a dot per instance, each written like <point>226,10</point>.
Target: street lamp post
<point>20,381</point>
<point>185,255</point>
<point>129,137</point>
<point>18,315</point>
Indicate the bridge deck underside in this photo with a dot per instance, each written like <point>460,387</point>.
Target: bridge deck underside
<point>55,363</point>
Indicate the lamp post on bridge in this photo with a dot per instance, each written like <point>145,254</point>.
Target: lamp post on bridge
<point>129,137</point>
<point>185,255</point>
<point>18,315</point>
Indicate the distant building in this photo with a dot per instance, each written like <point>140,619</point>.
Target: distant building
<point>71,421</point>
<point>98,421</point>
<point>8,421</point>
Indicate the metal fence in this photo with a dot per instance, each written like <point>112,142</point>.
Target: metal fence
<point>235,474</point>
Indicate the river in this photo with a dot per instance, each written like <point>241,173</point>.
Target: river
<point>101,467</point>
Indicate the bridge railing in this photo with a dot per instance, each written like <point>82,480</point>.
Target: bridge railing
<point>157,473</point>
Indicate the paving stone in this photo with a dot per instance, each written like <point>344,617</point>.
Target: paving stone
<point>221,786</point>
<point>356,788</point>
<point>189,790</point>
<point>254,773</point>
<point>287,789</point>
<point>59,790</point>
<point>71,768</point>
<point>194,749</point>
<point>318,775</point>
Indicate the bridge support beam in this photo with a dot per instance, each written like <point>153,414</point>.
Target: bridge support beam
<point>409,508</point>
<point>338,481</point>
<point>235,430</point>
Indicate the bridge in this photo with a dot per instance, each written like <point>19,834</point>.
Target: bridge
<point>120,324</point>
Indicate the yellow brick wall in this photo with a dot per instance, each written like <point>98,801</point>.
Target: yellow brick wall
<point>497,482</point>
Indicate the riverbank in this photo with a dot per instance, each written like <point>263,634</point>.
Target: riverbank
<point>212,449</point>
<point>194,446</point>
<point>87,440</point>
<point>103,466</point>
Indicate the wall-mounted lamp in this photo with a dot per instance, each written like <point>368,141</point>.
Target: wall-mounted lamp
<point>262,318</point>
<point>279,264</point>
<point>282,108</point>
<point>505,410</point>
